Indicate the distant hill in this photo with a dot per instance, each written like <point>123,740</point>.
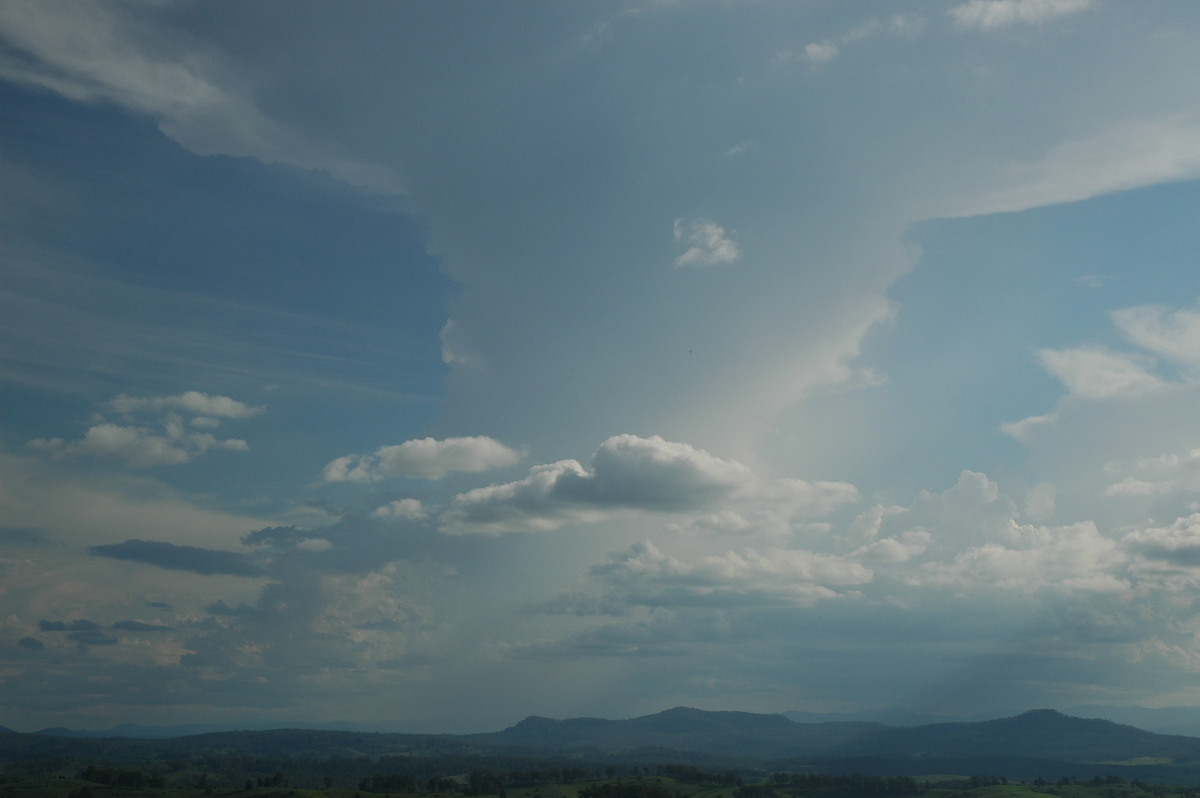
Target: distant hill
<point>681,729</point>
<point>1039,733</point>
<point>135,731</point>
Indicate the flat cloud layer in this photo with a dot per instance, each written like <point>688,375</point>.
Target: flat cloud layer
<point>425,366</point>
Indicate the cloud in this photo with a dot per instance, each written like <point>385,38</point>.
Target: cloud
<point>1170,555</point>
<point>401,508</point>
<point>994,14</point>
<point>820,52</point>
<point>140,626</point>
<point>1173,334</point>
<point>77,625</point>
<point>632,473</point>
<point>424,458</point>
<point>115,52</point>
<point>140,447</point>
<point>708,244</point>
<point>629,472</point>
<point>1096,373</point>
<point>1026,428</point>
<point>644,576</point>
<point>180,558</point>
<point>194,402</point>
<point>31,643</point>
<point>1122,156</point>
<point>143,447</point>
<point>1155,476</point>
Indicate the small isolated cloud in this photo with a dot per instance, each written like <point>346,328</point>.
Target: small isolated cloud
<point>1096,373</point>
<point>77,625</point>
<point>424,458</point>
<point>402,508</point>
<point>194,402</point>
<point>995,14</point>
<point>708,244</point>
<point>820,52</point>
<point>180,558</point>
<point>31,643</point>
<point>634,473</point>
<point>140,626</point>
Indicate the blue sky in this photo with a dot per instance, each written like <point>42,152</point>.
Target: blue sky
<point>431,365</point>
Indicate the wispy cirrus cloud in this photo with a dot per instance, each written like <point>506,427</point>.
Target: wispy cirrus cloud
<point>995,14</point>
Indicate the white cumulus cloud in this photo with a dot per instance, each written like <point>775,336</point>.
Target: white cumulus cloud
<point>424,458</point>
<point>708,244</point>
<point>632,473</point>
<point>200,404</point>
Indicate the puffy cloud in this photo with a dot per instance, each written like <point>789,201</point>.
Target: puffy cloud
<point>194,402</point>
<point>180,558</point>
<point>1095,373</point>
<point>144,447</point>
<point>530,504</point>
<point>1167,556</point>
<point>632,473</point>
<point>1070,558</point>
<point>1153,476</point>
<point>993,14</point>
<point>708,244</point>
<point>140,447</point>
<point>425,458</point>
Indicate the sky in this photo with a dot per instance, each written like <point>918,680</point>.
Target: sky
<point>426,366</point>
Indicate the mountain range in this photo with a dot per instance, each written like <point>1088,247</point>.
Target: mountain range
<point>1039,743</point>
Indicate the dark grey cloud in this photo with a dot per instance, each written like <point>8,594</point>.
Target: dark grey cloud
<point>92,637</point>
<point>180,558</point>
<point>276,536</point>
<point>221,608</point>
<point>31,643</point>
<point>139,626</point>
<point>77,625</point>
